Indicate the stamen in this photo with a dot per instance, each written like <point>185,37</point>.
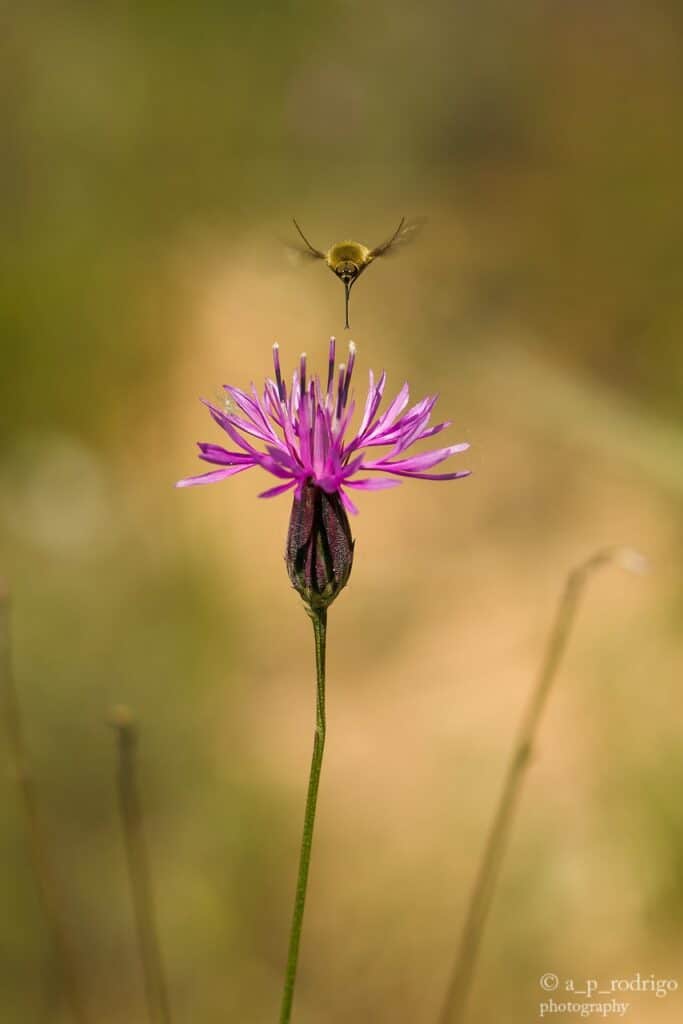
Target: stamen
<point>349,371</point>
<point>278,375</point>
<point>302,374</point>
<point>330,366</point>
<point>340,390</point>
<point>319,395</point>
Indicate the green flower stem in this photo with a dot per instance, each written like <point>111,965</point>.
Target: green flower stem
<point>156,992</point>
<point>454,1007</point>
<point>48,887</point>
<point>319,618</point>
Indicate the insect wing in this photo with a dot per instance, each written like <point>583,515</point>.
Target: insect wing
<point>405,232</point>
<point>297,254</point>
<point>310,250</point>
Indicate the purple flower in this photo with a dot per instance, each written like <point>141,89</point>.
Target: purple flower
<point>304,431</point>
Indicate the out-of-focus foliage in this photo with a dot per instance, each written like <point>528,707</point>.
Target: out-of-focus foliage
<point>152,158</point>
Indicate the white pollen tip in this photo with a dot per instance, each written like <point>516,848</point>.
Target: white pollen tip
<point>342,367</point>
<point>303,355</point>
<point>352,347</point>
<point>276,344</point>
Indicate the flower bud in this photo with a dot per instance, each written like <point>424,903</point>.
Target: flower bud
<point>319,551</point>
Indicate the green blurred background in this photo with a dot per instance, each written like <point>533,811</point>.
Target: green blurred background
<point>152,158</point>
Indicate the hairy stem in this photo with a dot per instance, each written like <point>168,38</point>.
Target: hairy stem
<point>319,619</point>
<point>455,1003</point>
<point>37,841</point>
<point>139,876</point>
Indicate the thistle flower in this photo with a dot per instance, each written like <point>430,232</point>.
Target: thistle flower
<point>304,431</point>
<point>305,436</point>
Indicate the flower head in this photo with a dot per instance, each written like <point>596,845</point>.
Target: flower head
<point>304,433</point>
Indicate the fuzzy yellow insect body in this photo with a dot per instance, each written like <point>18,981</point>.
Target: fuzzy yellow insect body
<point>349,259</point>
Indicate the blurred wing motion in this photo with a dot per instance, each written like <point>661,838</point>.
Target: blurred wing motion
<point>405,232</point>
<point>310,251</point>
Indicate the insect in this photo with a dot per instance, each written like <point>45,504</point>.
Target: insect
<point>349,259</point>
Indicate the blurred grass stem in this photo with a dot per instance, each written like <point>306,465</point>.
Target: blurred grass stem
<point>156,992</point>
<point>38,846</point>
<point>455,1004</point>
<point>319,618</point>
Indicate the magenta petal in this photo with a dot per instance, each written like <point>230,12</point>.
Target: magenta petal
<point>224,421</point>
<point>305,432</point>
<point>251,407</point>
<point>348,504</point>
<point>431,431</point>
<point>433,476</point>
<point>221,456</point>
<point>368,484</point>
<point>405,436</point>
<point>249,427</point>
<point>282,458</point>
<point>422,461</point>
<point>412,421</point>
<point>280,489</point>
<point>216,474</point>
<point>394,410</point>
<point>272,467</point>
<point>373,402</point>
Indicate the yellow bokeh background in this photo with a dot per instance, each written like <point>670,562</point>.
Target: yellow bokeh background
<point>153,159</point>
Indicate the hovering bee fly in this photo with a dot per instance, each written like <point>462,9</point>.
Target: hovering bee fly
<point>349,259</point>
